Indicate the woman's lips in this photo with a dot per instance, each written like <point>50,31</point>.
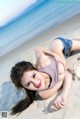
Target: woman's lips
<point>39,85</point>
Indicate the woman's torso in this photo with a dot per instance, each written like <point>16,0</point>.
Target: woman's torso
<point>52,67</point>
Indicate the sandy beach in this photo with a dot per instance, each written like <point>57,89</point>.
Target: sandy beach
<point>42,109</point>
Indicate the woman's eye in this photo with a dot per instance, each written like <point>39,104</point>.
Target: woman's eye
<point>34,75</point>
<point>28,84</point>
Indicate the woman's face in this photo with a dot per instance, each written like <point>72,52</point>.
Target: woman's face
<point>33,80</point>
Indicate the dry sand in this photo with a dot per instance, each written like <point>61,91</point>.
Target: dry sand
<point>42,109</point>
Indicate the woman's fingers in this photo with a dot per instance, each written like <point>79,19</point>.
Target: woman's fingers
<point>58,105</point>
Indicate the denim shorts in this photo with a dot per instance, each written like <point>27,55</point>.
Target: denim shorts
<point>67,43</point>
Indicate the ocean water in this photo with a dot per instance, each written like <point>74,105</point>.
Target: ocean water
<point>32,21</point>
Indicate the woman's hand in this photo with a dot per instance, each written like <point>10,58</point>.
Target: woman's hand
<point>59,102</point>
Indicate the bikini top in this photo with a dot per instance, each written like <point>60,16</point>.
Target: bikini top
<point>52,71</point>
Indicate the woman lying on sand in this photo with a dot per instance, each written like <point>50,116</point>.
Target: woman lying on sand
<point>47,76</point>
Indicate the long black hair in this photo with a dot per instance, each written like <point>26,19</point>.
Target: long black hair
<point>16,74</point>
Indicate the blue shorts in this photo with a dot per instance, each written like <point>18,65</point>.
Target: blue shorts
<point>67,43</point>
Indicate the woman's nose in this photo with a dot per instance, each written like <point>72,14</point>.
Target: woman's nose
<point>35,83</point>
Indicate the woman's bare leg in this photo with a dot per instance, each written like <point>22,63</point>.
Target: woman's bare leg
<point>56,46</point>
<point>76,45</point>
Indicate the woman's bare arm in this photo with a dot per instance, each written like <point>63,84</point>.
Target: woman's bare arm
<point>40,56</point>
<point>43,51</point>
<point>47,52</point>
<point>51,91</point>
<point>67,84</point>
<point>61,100</point>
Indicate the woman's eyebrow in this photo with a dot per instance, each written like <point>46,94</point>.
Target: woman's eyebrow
<point>32,75</point>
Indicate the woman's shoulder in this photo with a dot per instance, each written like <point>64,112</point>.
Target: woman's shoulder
<point>41,59</point>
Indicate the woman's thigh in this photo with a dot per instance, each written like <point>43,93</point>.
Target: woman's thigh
<point>56,46</point>
<point>75,45</point>
<point>62,46</point>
